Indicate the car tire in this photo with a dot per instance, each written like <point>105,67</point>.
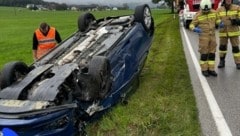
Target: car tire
<point>143,15</point>
<point>12,72</point>
<point>187,24</point>
<point>85,21</point>
<point>99,70</point>
<point>184,24</point>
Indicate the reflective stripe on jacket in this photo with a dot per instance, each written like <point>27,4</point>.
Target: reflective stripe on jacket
<point>225,16</point>
<point>45,43</point>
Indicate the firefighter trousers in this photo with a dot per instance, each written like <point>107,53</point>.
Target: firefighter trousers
<point>235,48</point>
<point>207,49</point>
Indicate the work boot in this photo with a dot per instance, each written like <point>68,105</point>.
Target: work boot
<point>212,73</point>
<point>221,64</point>
<point>238,66</point>
<point>205,73</point>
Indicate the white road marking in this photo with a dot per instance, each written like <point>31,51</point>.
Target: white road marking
<point>218,117</point>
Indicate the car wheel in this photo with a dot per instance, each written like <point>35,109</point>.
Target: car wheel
<point>12,72</point>
<point>187,24</point>
<point>143,15</point>
<point>99,69</point>
<point>184,23</point>
<point>85,21</point>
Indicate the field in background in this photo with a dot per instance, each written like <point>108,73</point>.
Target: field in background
<point>17,26</point>
<point>163,105</point>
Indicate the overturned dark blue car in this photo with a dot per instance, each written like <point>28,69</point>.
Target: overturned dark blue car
<point>82,77</point>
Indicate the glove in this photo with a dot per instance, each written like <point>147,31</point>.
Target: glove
<point>234,21</point>
<point>221,25</point>
<point>197,30</point>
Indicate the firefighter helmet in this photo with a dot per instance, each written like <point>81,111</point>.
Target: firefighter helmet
<point>206,5</point>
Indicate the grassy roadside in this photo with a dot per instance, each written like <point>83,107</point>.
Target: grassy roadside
<point>164,104</point>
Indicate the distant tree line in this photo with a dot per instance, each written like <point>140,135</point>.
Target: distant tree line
<point>23,3</point>
<point>20,3</point>
<point>51,5</point>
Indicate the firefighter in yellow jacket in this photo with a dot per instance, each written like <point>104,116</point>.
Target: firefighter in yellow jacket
<point>204,24</point>
<point>229,16</point>
<point>45,38</point>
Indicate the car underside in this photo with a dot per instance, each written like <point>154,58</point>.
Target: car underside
<point>88,72</point>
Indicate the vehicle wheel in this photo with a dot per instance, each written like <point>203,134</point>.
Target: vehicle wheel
<point>143,15</point>
<point>184,24</point>
<point>12,72</point>
<point>85,21</point>
<point>99,69</point>
<point>187,24</point>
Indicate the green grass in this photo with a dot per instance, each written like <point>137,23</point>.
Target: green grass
<point>163,105</point>
<point>17,26</point>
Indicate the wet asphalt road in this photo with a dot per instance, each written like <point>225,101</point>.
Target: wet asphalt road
<point>225,89</point>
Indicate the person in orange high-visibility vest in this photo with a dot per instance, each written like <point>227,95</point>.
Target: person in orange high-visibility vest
<point>45,38</point>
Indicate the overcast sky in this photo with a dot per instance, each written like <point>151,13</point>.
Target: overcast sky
<point>98,1</point>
